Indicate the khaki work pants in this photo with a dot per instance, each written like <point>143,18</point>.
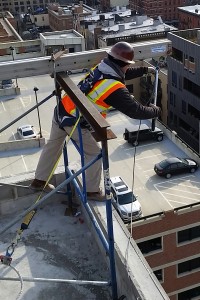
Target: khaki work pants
<point>53,149</point>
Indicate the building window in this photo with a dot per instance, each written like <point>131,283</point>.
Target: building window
<point>186,61</point>
<point>191,64</point>
<point>159,274</point>
<point>184,107</point>
<point>174,79</point>
<point>171,117</point>
<point>180,83</point>
<point>190,294</point>
<point>191,87</point>
<point>189,265</point>
<point>150,245</point>
<point>172,99</point>
<point>177,54</point>
<point>175,120</point>
<point>188,234</point>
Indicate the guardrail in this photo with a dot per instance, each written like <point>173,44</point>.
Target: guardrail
<point>173,136</point>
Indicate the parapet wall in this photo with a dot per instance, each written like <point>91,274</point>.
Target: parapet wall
<point>22,144</point>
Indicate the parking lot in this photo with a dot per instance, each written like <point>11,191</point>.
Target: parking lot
<point>155,193</point>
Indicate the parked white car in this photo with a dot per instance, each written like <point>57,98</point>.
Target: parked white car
<point>124,201</point>
<point>26,132</point>
<point>6,84</point>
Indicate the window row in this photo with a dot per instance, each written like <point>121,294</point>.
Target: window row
<point>184,267</point>
<point>182,236</point>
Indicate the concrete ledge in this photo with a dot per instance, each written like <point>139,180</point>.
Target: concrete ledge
<point>135,277</point>
<point>22,144</point>
<point>10,91</point>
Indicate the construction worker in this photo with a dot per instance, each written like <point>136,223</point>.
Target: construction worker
<point>105,87</point>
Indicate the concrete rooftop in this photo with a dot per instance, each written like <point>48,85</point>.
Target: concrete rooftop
<point>54,247</point>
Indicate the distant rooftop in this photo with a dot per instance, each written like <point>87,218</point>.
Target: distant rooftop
<point>109,15</point>
<point>192,35</point>
<point>193,9</point>
<point>137,27</point>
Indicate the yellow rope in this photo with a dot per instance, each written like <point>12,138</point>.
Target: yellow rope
<point>27,219</point>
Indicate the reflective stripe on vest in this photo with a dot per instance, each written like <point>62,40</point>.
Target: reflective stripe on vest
<point>100,91</point>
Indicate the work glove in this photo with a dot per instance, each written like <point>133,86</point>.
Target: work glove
<point>157,108</point>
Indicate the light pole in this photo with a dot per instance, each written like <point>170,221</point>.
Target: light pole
<point>35,90</point>
<point>12,49</point>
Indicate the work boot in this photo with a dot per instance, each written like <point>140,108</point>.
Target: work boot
<point>38,185</point>
<point>96,196</point>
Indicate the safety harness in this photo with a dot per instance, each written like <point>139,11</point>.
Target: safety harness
<point>97,87</point>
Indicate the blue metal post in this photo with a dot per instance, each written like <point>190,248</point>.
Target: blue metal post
<point>108,245</point>
<point>109,218</point>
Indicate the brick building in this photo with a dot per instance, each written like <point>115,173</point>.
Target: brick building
<point>67,17</point>
<point>170,242</point>
<point>167,9</point>
<point>16,7</point>
<point>59,18</point>
<point>189,17</point>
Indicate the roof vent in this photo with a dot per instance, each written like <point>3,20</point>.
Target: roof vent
<point>196,10</point>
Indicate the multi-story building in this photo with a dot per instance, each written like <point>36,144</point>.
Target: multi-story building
<point>184,86</point>
<point>60,18</point>
<point>138,28</point>
<point>107,5</point>
<point>18,7</point>
<point>189,17</point>
<point>170,242</point>
<point>67,17</point>
<point>167,9</point>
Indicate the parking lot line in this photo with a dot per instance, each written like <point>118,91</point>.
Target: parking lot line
<point>3,106</point>
<point>14,135</point>
<point>179,196</point>
<point>150,156</point>
<point>163,196</point>
<point>24,162</point>
<point>187,186</point>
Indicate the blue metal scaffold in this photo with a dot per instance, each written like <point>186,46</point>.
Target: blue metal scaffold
<point>101,134</point>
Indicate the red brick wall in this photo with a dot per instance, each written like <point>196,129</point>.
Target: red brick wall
<point>171,253</point>
<point>188,21</point>
<point>170,220</point>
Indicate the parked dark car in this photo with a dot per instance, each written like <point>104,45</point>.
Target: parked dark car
<point>175,165</point>
<point>132,136</point>
<point>70,72</point>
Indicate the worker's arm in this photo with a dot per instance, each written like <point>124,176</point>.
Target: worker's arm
<point>126,103</point>
<point>135,72</point>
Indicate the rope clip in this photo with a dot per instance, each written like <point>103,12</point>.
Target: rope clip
<point>6,260</point>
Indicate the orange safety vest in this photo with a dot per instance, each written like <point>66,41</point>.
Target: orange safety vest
<point>99,92</point>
